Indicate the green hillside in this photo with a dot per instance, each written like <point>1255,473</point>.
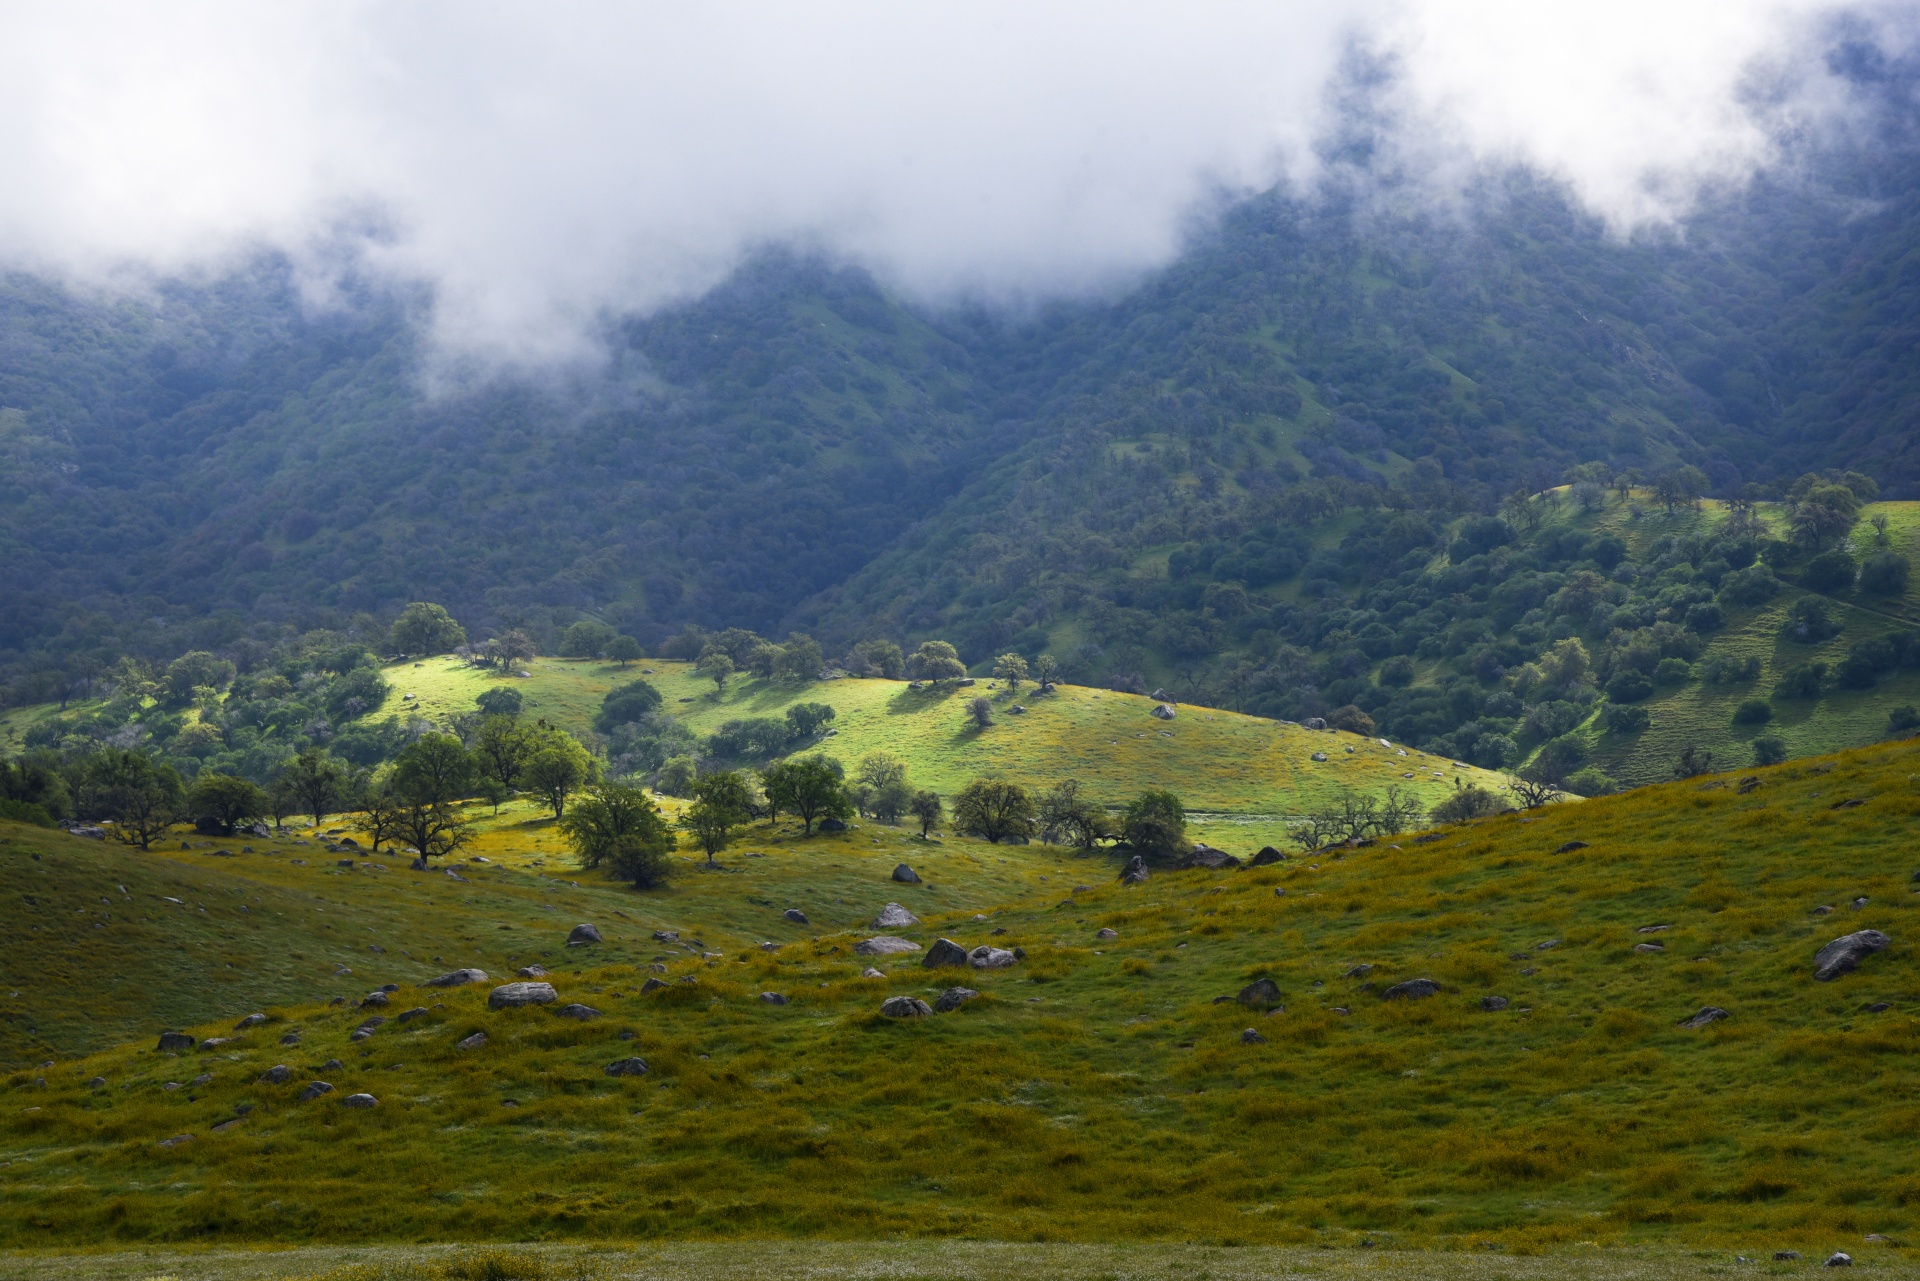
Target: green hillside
<point>1580,1111</point>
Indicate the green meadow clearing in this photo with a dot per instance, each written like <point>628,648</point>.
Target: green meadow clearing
<point>1098,1091</point>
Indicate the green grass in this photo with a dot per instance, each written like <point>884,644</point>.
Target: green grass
<point>1096,1093</point>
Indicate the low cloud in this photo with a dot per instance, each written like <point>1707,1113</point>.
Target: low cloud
<point>540,166</point>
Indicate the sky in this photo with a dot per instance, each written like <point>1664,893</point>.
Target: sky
<point>543,166</point>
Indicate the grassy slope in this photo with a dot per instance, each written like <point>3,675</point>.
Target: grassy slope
<point>1096,1091</point>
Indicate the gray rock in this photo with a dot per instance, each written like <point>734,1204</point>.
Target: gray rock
<point>460,978</point>
<point>1547,946</point>
<point>773,998</point>
<point>473,1042</point>
<point>905,1007</point>
<point>202,1079</point>
<point>362,1101</point>
<point>894,917</point>
<point>1785,1256</point>
<point>98,1082</point>
<point>1359,971</point>
<point>417,1012</point>
<point>1135,872</point>
<point>584,934</point>
<point>666,936</point>
<point>176,1140</point>
<point>576,1011</point>
<point>906,875</point>
<point>1208,857</point>
<point>1649,948</point>
<point>1164,712</point>
<point>1494,1003</point>
<point>530,972</point>
<point>1708,1014</point>
<point>175,1042</point>
<point>986,957</point>
<point>1314,722</point>
<point>633,1066</point>
<point>252,1020</point>
<point>1259,994</point>
<point>832,825</point>
<point>651,985</point>
<point>1844,953</point>
<point>1251,1037</point>
<point>314,1091</point>
<point>795,915</point>
<point>1321,757</point>
<point>375,999</point>
<point>871,973</point>
<point>945,952</point>
<point>953,998</point>
<point>1570,847</point>
<point>1161,696</point>
<point>511,995</point>
<point>1838,1259</point>
<point>213,1043</point>
<point>1106,934</point>
<point>1411,990</point>
<point>884,945</point>
<point>278,1074</point>
<point>1267,855</point>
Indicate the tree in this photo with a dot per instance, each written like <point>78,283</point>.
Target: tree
<point>936,660</point>
<point>190,674</point>
<point>626,705</point>
<point>879,769</point>
<point>1045,670</point>
<point>1822,513</point>
<point>1769,749</point>
<point>721,802</point>
<point>1533,791</point>
<point>1155,825</point>
<point>891,800</point>
<point>316,779</point>
<point>717,667</point>
<point>493,792</point>
<point>927,809</point>
<point>501,701</point>
<point>1885,573</point>
<point>230,801</point>
<point>434,769</point>
<point>877,658</point>
<point>799,660</point>
<point>510,649</point>
<point>435,829</point>
<point>1010,668</point>
<point>586,639</point>
<point>1692,762</point>
<point>142,797</point>
<point>425,628</point>
<point>382,814</point>
<point>624,649</point>
<point>1467,802</point>
<point>807,719</point>
<point>675,776</point>
<point>995,808</point>
<point>809,788</point>
<point>1681,487</point>
<point>502,748</point>
<point>1068,818</point>
<point>619,827</point>
<point>981,710</point>
<point>557,767</point>
<point>282,800</point>
<point>1753,711</point>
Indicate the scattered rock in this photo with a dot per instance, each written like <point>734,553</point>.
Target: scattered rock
<point>884,945</point>
<point>894,917</point>
<point>1267,855</point>
<point>577,1011</point>
<point>795,915</point>
<point>1858,903</point>
<point>1708,1014</point>
<point>531,972</point>
<point>461,978</point>
<point>1878,1238</point>
<point>1259,994</point>
<point>1570,847</point>
<point>905,1007</point>
<point>906,875</point>
<point>1838,1259</point>
<point>362,1101</point>
<point>1017,710</point>
<point>98,1082</point>
<point>986,957</point>
<point>473,1042</point>
<point>1494,1003</point>
<point>666,936</point>
<point>1251,1037</point>
<point>511,995</point>
<point>944,952</point>
<point>252,1020</point>
<point>1844,953</point>
<point>773,998</point>
<point>1879,1007</point>
<point>1106,934</point>
<point>1161,696</point>
<point>627,1067</point>
<point>1653,929</point>
<point>1411,990</point>
<point>278,1074</point>
<point>584,934</point>
<point>1321,757</point>
<point>1314,722</point>
<point>1359,971</point>
<point>953,998</point>
<point>213,1043</point>
<point>1135,872</point>
<point>314,1091</point>
<point>1649,947</point>
<point>176,1140</point>
<point>1208,857</point>
<point>1785,1256</point>
<point>202,1079</point>
<point>175,1042</point>
<point>375,999</point>
<point>832,825</point>
<point>1164,712</point>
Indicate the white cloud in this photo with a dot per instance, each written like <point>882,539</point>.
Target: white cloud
<point>540,164</point>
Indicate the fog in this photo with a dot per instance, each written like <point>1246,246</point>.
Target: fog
<point>539,166</point>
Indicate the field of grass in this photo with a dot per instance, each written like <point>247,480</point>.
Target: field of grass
<point>1096,1092</point>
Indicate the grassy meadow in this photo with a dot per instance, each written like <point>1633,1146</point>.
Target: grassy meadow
<point>1098,1091</point>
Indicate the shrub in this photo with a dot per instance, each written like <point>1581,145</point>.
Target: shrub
<point>1155,824</point>
<point>1829,571</point>
<point>1705,617</point>
<point>1471,801</point>
<point>1728,670</point>
<point>1591,781</point>
<point>1885,574</point>
<point>1753,711</point>
<point>25,812</point>
<point>1903,720</point>
<point>586,639</point>
<point>1803,681</point>
<point>981,710</point>
<point>1629,687</point>
<point>804,720</point>
<point>1560,757</point>
<point>1351,719</point>
<point>1397,672</point>
<point>1754,585</point>
<point>1673,671</point>
<point>1769,749</point>
<point>1810,621</point>
<point>1627,720</point>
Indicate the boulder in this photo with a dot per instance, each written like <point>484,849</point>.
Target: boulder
<point>1161,696</point>
<point>651,985</point>
<point>1251,1037</point>
<point>512,995</point>
<point>666,936</point>
<point>832,825</point>
<point>1494,1003</point>
<point>953,998</point>
<point>1838,1259</point>
<point>461,978</point>
<point>1359,971</point>
<point>1106,934</point>
<point>871,973</point>
<point>252,1020</point>
<point>1314,722</point>
<point>894,917</point>
<point>1318,756</point>
<point>417,1012</point>
<point>1411,990</point>
<point>213,1043</point>
<point>473,1042</point>
<point>1164,712</point>
<point>906,875</point>
<point>176,1141</point>
<point>1135,872</point>
<point>375,999</point>
<point>796,916</point>
<point>1649,948</point>
<point>905,1007</point>
<point>584,934</point>
<point>525,972</point>
<point>627,1067</point>
<point>278,1074</point>
<point>1208,857</point>
<point>1259,994</point>
<point>1570,847</point>
<point>175,1042</point>
<point>362,1101</point>
<point>945,952</point>
<point>98,1083</point>
<point>884,945</point>
<point>1708,1014</point>
<point>773,998</point>
<point>1844,953</point>
<point>314,1091</point>
<point>985,957</point>
<point>1267,855</point>
<point>577,1011</point>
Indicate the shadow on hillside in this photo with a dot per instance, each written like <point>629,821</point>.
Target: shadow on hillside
<point>909,701</point>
